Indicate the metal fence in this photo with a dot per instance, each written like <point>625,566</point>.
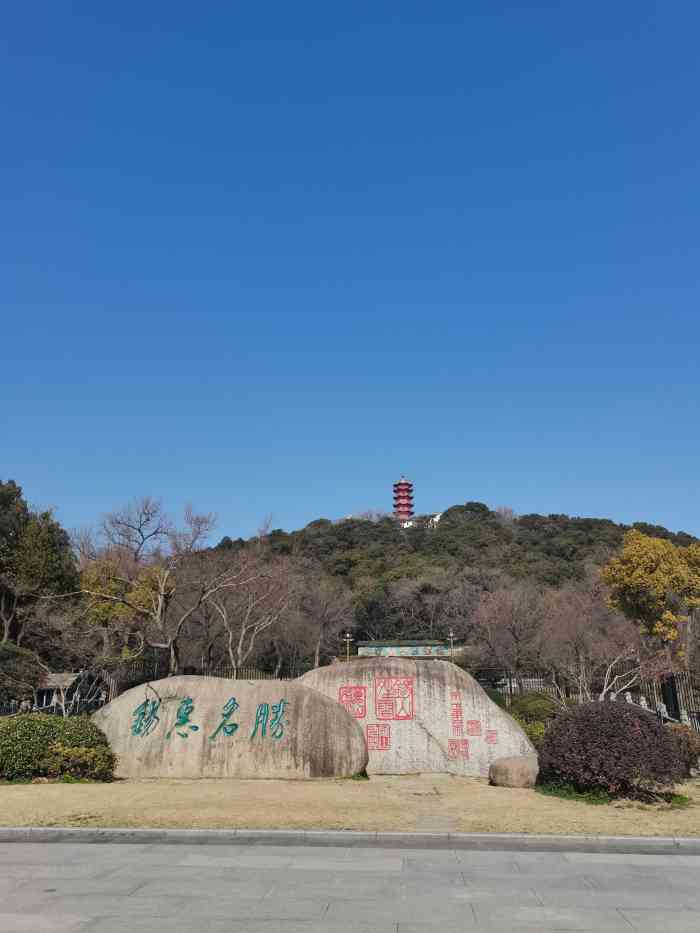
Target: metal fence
<point>243,673</point>
<point>135,673</point>
<point>118,680</point>
<point>56,708</point>
<point>511,684</point>
<point>674,697</point>
<point>678,694</point>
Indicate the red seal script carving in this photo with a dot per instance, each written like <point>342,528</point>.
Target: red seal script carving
<point>354,699</point>
<point>456,717</point>
<point>378,737</point>
<point>393,697</point>
<point>458,748</point>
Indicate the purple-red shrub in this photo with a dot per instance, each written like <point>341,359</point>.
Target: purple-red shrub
<point>689,742</point>
<point>615,747</point>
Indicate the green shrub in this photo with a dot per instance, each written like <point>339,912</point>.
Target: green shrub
<point>25,741</point>
<point>94,764</point>
<point>533,729</point>
<point>533,707</point>
<point>689,743</point>
<point>613,747</point>
<point>81,730</point>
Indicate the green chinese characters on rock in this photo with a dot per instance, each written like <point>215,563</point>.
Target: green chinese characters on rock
<point>274,719</point>
<point>269,720</point>
<point>145,718</point>
<point>183,726</point>
<point>227,728</point>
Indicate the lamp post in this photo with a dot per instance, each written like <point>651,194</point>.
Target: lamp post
<point>347,638</point>
<point>451,636</point>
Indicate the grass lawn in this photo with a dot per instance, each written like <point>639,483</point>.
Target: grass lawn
<point>428,803</point>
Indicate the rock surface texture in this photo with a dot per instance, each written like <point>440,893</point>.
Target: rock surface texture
<point>208,727</point>
<point>421,716</point>
<point>518,771</point>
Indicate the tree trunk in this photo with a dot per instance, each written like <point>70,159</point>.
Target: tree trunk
<point>233,658</point>
<point>174,660</point>
<point>279,658</point>
<point>317,653</point>
<point>8,612</point>
<point>106,643</point>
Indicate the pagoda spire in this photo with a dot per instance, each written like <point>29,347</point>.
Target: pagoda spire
<point>403,500</point>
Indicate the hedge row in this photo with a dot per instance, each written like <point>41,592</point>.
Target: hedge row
<point>612,747</point>
<point>31,745</point>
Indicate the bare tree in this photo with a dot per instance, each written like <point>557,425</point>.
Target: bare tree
<point>432,606</point>
<point>265,600</point>
<point>62,633</point>
<point>289,645</point>
<point>193,533</point>
<point>85,545</point>
<point>591,650</point>
<point>169,596</point>
<point>506,625</point>
<point>325,607</point>
<point>204,638</point>
<point>139,529</point>
<point>264,530</point>
<point>151,578</point>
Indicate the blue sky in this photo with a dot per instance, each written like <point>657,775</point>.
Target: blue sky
<point>265,258</point>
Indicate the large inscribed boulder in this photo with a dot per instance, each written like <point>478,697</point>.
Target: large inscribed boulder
<point>209,727</point>
<point>426,715</point>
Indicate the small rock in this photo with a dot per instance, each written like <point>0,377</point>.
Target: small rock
<point>40,780</point>
<point>517,771</point>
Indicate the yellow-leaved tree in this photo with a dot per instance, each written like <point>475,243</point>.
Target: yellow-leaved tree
<point>657,585</point>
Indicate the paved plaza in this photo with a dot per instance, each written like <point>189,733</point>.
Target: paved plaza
<point>149,888</point>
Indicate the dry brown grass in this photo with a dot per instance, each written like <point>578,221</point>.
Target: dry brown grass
<point>431,802</point>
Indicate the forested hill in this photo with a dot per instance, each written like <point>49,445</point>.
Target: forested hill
<point>549,549</point>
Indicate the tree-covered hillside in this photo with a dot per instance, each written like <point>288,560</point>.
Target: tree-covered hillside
<point>522,593</point>
<point>545,549</point>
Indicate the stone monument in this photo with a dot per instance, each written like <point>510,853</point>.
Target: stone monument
<point>421,715</point>
<point>210,727</point>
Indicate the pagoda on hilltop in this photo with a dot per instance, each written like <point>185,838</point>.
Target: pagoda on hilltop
<point>403,500</point>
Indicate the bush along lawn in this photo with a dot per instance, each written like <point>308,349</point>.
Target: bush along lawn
<point>600,752</point>
<point>34,746</point>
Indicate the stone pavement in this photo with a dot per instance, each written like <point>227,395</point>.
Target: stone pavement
<point>151,888</point>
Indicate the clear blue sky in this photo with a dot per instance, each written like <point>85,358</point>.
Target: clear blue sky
<point>266,257</point>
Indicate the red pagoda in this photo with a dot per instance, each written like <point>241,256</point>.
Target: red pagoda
<point>403,500</point>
